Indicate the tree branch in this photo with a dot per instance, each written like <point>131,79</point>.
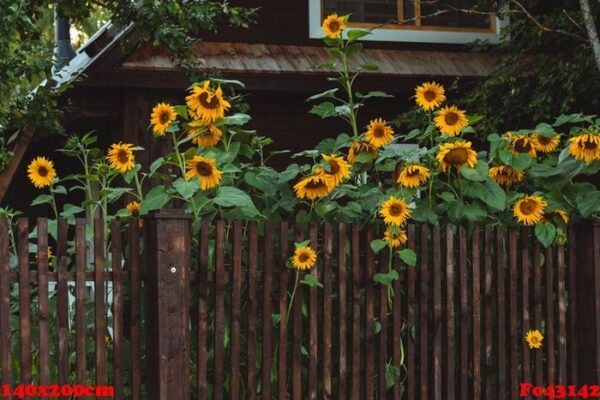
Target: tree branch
<point>543,27</point>
<point>591,29</point>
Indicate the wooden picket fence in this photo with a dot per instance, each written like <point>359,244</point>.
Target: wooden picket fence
<point>208,318</point>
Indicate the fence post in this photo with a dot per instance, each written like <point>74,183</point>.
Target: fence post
<point>167,275</point>
<point>588,302</point>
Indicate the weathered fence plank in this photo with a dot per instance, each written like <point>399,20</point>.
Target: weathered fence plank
<point>342,310</point>
<point>5,334</point>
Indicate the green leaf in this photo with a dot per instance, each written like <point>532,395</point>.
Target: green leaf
<point>324,110</point>
<point>311,280</point>
<point>375,93</point>
<point>289,173</point>
<point>156,199</point>
<point>156,164</point>
<point>478,174</point>
<point>474,213</point>
<point>42,199</point>
<point>545,232</point>
<point>326,94</point>
<point>386,279</point>
<point>229,196</point>
<point>392,375</point>
<point>521,162</point>
<point>489,192</point>
<point>238,119</point>
<point>587,199</point>
<point>408,256</point>
<point>456,210</point>
<point>70,210</point>
<point>378,244</point>
<point>355,34</point>
<point>182,111</point>
<point>59,189</point>
<point>304,243</point>
<point>186,188</point>
<point>544,129</point>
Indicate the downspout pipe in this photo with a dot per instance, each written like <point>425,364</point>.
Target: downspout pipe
<point>63,50</point>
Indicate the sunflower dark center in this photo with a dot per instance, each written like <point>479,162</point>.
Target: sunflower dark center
<point>123,156</point>
<point>528,207</point>
<point>413,172</point>
<point>378,132</point>
<point>451,118</point>
<point>543,140</point>
<point>334,26</point>
<point>395,210</point>
<point>457,156</point>
<point>303,257</point>
<point>429,95</point>
<point>164,117</point>
<point>203,168</point>
<point>314,185</point>
<point>335,168</point>
<point>589,145</point>
<point>42,171</point>
<point>208,101</point>
<point>522,146</point>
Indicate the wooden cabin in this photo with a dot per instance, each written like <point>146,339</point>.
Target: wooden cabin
<point>120,78</point>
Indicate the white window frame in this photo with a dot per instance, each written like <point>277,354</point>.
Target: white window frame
<point>407,35</point>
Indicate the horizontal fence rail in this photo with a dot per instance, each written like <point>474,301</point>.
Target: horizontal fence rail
<point>450,327</point>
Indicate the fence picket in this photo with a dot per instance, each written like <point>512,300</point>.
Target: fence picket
<point>136,290</point>
<point>5,332</point>
<point>383,316</point>
<point>537,294</point>
<point>327,310</point>
<point>342,333</point>
<point>549,342</point>
<point>411,300</point>
<point>356,277</point>
<point>202,280</point>
<point>80,319</point>
<point>572,308</point>
<point>424,312</point>
<point>24,300</point>
<point>437,315</point>
<point>100,328</point>
<point>476,296</point>
<point>450,325</point>
<point>488,299</point>
<point>267,311</point>
<point>525,267</point>
<point>370,317</point>
<point>313,323</point>
<point>252,307</point>
<point>500,262</point>
<point>117,308</point>
<point>283,305</point>
<point>562,308</point>
<point>236,304</point>
<point>43,312</point>
<point>464,317</point>
<point>219,349</point>
<point>297,329</point>
<point>514,340</point>
<point>62,304</point>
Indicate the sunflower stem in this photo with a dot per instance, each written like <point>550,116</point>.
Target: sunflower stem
<point>293,295</point>
<point>182,168</point>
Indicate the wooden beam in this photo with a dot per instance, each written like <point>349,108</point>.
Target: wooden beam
<point>21,144</point>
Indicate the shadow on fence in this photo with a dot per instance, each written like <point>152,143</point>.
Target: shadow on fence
<point>167,315</point>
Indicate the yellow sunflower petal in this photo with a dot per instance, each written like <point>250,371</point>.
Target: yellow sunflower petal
<point>429,95</point>
<point>379,133</point>
<point>41,172</point>
<point>333,26</point>
<point>120,156</point>
<point>455,155</point>
<point>304,258</point>
<point>394,211</point>
<point>451,120</point>
<point>205,170</point>
<point>530,209</point>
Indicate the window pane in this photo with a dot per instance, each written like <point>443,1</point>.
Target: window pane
<point>371,11</point>
<point>452,18</point>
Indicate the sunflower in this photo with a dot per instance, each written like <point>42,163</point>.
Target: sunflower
<point>162,116</point>
<point>585,147</point>
<point>313,187</point>
<point>120,156</point>
<point>505,175</point>
<point>413,175</point>
<point>522,145</point>
<point>339,168</point>
<point>530,209</point>
<point>41,172</point>
<point>207,104</point>
<point>534,339</point>
<point>395,239</point>
<point>545,144</point>
<point>356,148</point>
<point>133,207</point>
<point>562,214</point>
<point>205,134</point>
<point>394,211</point>
<point>430,95</point>
<point>333,26</point>
<point>456,155</point>
<point>450,120</point>
<point>205,170</point>
<point>379,133</point>
<point>304,258</point>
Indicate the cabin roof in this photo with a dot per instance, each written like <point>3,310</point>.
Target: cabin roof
<point>269,59</point>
